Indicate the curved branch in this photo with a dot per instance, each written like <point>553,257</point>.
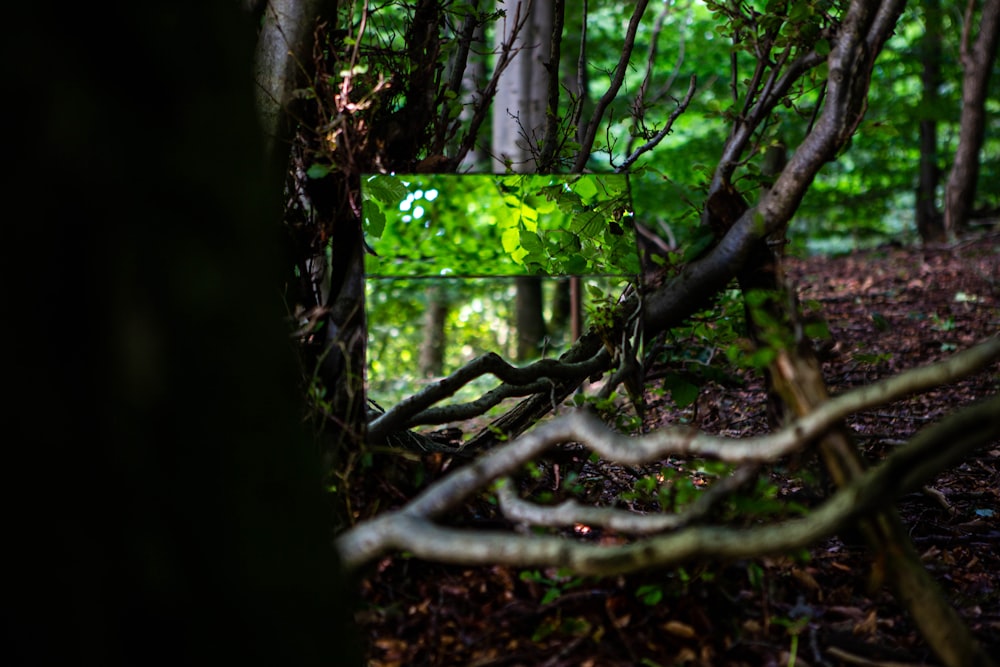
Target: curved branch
<point>495,396</point>
<point>408,411</point>
<point>571,512</point>
<point>664,131</point>
<point>587,142</point>
<point>905,470</point>
<point>858,42</point>
<point>377,536</point>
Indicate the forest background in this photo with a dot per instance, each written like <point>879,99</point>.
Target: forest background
<point>161,256</point>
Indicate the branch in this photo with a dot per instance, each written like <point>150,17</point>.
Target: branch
<point>403,414</point>
<point>549,141</point>
<point>379,535</point>
<point>571,512</point>
<point>482,106</point>
<point>850,62</point>
<point>461,61</point>
<point>658,137</point>
<point>406,530</point>
<point>612,92</point>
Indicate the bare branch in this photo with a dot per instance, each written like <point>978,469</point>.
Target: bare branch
<point>482,105</point>
<point>664,131</point>
<point>587,143</point>
<point>571,512</point>
<point>405,413</point>
<point>369,540</point>
<point>850,64</point>
<point>905,470</point>
<point>549,140</point>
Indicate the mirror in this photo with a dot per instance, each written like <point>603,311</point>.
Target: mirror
<point>461,265</point>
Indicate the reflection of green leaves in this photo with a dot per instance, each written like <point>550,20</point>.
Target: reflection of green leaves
<point>515,224</point>
<point>585,188</point>
<point>385,189</point>
<point>510,239</point>
<point>374,219</point>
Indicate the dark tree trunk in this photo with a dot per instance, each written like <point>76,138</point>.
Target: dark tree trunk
<point>977,63</point>
<point>530,317</point>
<point>567,310</point>
<point>165,506</point>
<point>930,223</point>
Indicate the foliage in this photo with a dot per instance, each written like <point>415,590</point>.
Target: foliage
<point>401,104</point>
<point>445,225</point>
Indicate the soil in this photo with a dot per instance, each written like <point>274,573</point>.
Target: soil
<point>887,310</point>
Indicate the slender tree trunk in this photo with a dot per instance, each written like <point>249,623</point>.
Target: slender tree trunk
<point>530,321</point>
<point>977,62</point>
<point>476,160</point>
<point>930,223</point>
<point>434,343</point>
<point>284,47</point>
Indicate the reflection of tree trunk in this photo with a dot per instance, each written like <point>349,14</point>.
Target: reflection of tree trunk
<point>977,62</point>
<point>566,312</point>
<point>530,319</point>
<point>432,348</point>
<point>930,224</point>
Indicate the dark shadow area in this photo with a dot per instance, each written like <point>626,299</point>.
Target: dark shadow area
<point>164,504</point>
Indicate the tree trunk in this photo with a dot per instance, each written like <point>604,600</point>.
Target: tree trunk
<point>166,507</point>
<point>283,47</point>
<point>930,223</point>
<point>796,377</point>
<point>434,343</point>
<point>977,63</point>
<point>530,318</point>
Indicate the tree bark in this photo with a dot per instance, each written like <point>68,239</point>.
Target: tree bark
<point>283,58</point>
<point>530,317</point>
<point>977,63</point>
<point>431,363</point>
<point>166,506</point>
<point>930,223</point>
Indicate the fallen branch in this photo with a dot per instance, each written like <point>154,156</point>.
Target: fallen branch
<point>412,410</point>
<point>413,532</point>
<point>386,532</point>
<point>571,512</point>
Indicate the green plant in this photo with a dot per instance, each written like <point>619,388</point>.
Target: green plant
<point>555,585</point>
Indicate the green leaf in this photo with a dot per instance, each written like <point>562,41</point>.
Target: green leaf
<point>576,264</point>
<point>531,242</point>
<point>682,391</point>
<point>374,219</point>
<point>585,188</point>
<point>317,171</point>
<point>511,239</point>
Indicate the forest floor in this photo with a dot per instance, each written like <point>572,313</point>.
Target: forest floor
<point>888,310</point>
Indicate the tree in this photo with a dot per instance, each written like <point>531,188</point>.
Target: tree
<point>159,475</point>
<point>930,223</point>
<point>811,66</point>
<point>977,63</point>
